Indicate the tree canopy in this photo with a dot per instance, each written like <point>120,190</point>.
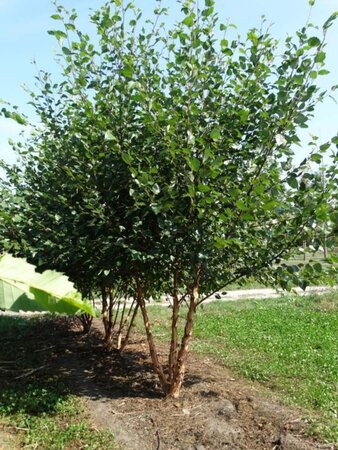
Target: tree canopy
<point>163,160</point>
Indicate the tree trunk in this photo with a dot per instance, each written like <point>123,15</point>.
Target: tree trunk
<point>86,321</point>
<point>108,338</point>
<point>120,326</point>
<point>104,309</point>
<point>176,383</point>
<point>152,348</point>
<point>174,323</point>
<point>127,336</point>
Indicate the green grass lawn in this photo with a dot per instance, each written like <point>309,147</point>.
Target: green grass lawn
<point>39,413</point>
<point>289,344</point>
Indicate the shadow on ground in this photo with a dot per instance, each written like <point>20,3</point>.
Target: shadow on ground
<point>49,359</point>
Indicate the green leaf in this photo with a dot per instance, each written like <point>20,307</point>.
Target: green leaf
<point>292,182</point>
<point>316,157</point>
<point>66,51</point>
<point>22,288</point>
<point>14,116</point>
<point>189,20</point>
<point>220,243</point>
<point>330,20</point>
<point>58,34</point>
<point>320,57</point>
<point>215,134</point>
<point>207,12</point>
<point>70,27</point>
<point>126,158</point>
<point>18,118</point>
<point>127,71</point>
<point>56,17</point>
<point>324,147</point>
<point>314,42</point>
<point>241,205</point>
<point>195,164</point>
<point>318,267</point>
<point>109,136</point>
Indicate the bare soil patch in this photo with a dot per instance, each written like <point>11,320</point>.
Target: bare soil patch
<point>216,410</point>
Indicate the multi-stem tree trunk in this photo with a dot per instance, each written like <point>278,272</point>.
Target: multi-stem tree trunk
<point>180,365</point>
<point>117,320</point>
<point>86,322</point>
<point>177,357</point>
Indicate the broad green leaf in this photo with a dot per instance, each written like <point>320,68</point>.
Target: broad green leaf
<point>189,20</point>
<point>127,71</point>
<point>22,288</point>
<point>66,51</point>
<point>215,134</point>
<point>318,267</point>
<point>109,136</point>
<point>292,182</point>
<point>241,205</point>
<point>316,157</point>
<point>314,42</point>
<point>220,243</point>
<point>195,164</point>
<point>126,158</point>
<point>56,17</point>
<point>320,57</point>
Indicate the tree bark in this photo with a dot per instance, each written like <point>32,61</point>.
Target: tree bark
<point>127,336</point>
<point>152,348</point>
<point>109,323</point>
<point>86,320</point>
<point>120,327</point>
<point>173,352</point>
<point>176,383</point>
<point>104,309</point>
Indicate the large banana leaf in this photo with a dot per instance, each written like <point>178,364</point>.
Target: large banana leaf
<point>22,288</point>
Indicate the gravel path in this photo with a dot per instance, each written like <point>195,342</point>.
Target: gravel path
<point>239,294</point>
<point>267,293</point>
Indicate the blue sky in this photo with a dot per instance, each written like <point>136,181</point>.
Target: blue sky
<point>23,37</point>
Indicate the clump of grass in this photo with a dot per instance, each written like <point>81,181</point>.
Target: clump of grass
<point>49,421</point>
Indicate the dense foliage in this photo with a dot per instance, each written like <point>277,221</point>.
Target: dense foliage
<point>163,161</point>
